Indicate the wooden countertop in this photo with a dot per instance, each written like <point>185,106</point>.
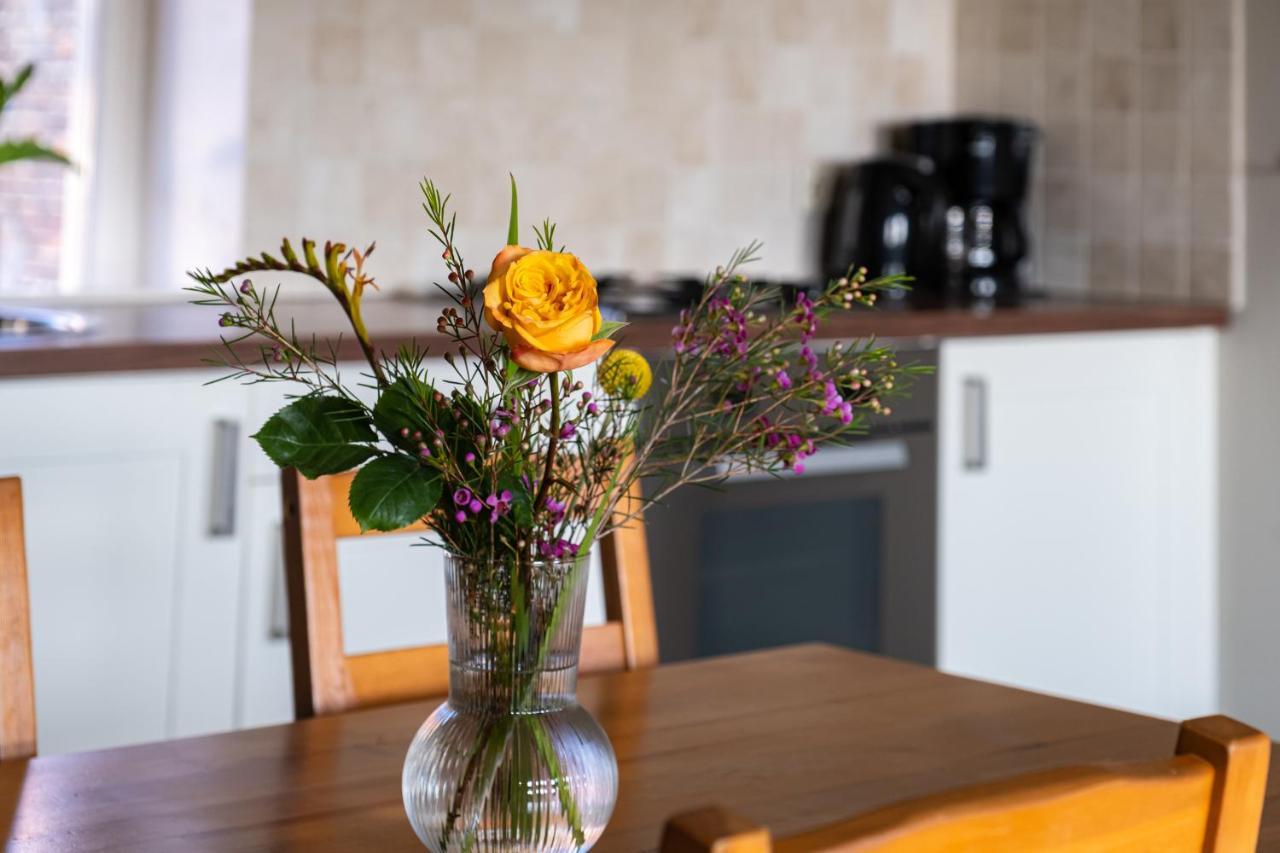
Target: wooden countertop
<point>178,336</point>
<point>791,738</point>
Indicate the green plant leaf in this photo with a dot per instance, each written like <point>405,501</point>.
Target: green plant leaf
<point>8,90</point>
<point>393,492</point>
<point>517,375</point>
<point>13,150</point>
<point>607,328</point>
<point>318,436</point>
<point>404,404</point>
<point>513,224</point>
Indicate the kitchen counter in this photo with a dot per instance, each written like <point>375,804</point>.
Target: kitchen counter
<point>180,336</point>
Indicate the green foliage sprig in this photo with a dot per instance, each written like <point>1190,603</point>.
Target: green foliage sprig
<point>13,150</point>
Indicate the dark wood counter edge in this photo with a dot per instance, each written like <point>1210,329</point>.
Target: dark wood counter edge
<point>89,356</point>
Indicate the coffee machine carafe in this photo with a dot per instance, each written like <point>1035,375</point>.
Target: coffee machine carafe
<point>982,168</point>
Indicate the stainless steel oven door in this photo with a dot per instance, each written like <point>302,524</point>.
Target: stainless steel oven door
<point>844,553</point>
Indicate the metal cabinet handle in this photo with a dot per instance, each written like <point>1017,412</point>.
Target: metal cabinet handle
<point>975,424</point>
<point>226,449</point>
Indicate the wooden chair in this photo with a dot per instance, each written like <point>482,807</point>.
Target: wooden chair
<point>326,680</point>
<point>17,690</point>
<point>1208,797</point>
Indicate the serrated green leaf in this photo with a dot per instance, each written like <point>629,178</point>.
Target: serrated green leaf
<point>405,403</point>
<point>318,436</point>
<point>607,328</point>
<point>393,492</point>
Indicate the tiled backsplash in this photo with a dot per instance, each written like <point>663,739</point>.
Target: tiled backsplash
<point>1133,193</point>
<point>660,134</point>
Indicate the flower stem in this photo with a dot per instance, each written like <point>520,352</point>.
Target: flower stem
<point>553,444</point>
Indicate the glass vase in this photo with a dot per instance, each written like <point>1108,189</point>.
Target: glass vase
<point>511,761</point>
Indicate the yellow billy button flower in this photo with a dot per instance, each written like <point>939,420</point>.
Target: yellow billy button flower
<point>545,305</point>
<point>625,374</point>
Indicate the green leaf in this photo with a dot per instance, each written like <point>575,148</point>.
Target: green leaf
<point>513,224</point>
<point>318,436</point>
<point>517,375</point>
<point>8,90</point>
<point>405,403</point>
<point>607,328</point>
<point>393,492</point>
<point>13,150</point>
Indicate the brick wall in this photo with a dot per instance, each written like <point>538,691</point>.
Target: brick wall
<point>43,32</point>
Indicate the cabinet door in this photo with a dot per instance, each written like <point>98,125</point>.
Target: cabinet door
<point>1077,526</point>
<point>133,593</point>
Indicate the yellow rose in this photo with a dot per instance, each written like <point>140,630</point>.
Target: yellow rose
<point>544,304</point>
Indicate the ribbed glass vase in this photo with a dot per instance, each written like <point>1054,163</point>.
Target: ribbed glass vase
<point>511,761</point>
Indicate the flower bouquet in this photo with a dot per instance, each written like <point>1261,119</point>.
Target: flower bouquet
<point>518,464</point>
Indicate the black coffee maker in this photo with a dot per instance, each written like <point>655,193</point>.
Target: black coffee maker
<point>947,209</point>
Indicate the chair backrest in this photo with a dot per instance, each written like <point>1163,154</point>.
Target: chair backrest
<point>327,680</point>
<point>17,691</point>
<point>1208,797</point>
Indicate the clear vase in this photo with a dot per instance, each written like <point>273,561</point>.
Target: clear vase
<point>511,761</point>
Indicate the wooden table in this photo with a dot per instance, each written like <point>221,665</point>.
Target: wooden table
<point>792,738</point>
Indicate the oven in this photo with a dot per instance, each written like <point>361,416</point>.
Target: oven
<point>844,553</point>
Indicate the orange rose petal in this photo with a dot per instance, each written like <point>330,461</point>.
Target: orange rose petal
<point>546,362</point>
<point>505,258</point>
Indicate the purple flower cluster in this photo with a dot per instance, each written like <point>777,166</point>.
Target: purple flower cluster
<point>791,448</point>
<point>556,549</point>
<point>836,405</point>
<point>498,504</point>
<point>500,423</point>
<point>555,509</point>
<point>728,339</point>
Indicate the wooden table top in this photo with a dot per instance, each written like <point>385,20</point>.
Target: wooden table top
<point>791,738</point>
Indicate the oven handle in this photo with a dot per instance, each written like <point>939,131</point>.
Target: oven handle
<point>866,457</point>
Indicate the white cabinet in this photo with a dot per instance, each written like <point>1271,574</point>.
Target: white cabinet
<point>1077,541</point>
<point>134,593</point>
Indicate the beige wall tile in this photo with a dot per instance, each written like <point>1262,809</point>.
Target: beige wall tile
<point>1022,24</point>
<point>1067,24</point>
<point>1114,143</point>
<point>1114,269</point>
<point>1115,83</point>
<point>1066,84</point>
<point>1161,85</point>
<point>1210,202</point>
<point>1164,271</point>
<point>1066,206</point>
<point>1210,273</point>
<point>1211,25</point>
<point>337,54</point>
<point>1165,213</point>
<point>1114,26</point>
<point>1066,263</point>
<point>1065,146</point>
<point>1162,24</point>
<point>1164,147</point>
